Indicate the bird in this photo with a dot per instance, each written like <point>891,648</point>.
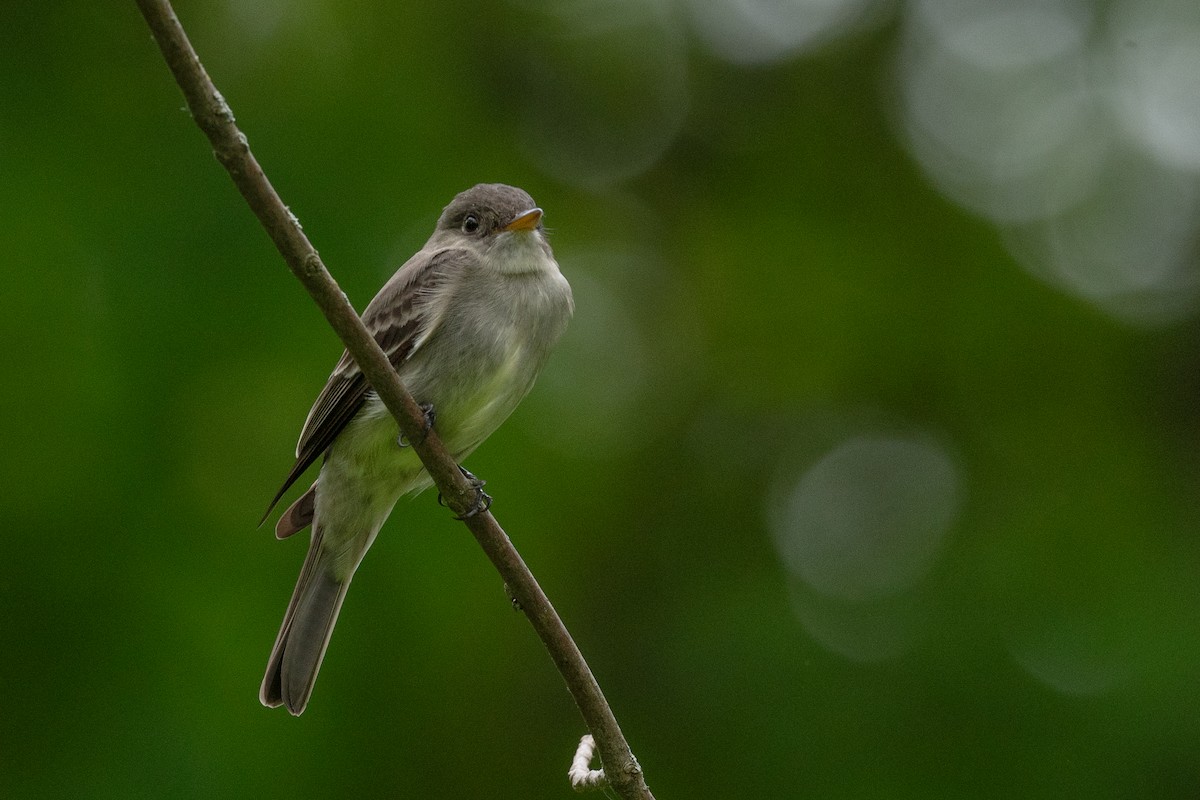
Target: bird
<point>467,322</point>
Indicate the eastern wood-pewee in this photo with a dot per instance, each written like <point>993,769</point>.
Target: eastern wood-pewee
<point>467,322</point>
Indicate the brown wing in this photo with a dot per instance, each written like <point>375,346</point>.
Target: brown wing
<point>401,319</point>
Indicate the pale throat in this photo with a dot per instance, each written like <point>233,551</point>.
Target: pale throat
<point>517,252</point>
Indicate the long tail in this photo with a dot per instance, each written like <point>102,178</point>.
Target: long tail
<point>304,635</point>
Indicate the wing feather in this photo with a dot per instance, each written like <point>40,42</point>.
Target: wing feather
<point>400,319</point>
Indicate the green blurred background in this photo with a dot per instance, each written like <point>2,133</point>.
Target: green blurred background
<point>867,468</point>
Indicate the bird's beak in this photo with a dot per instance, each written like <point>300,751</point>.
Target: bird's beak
<point>525,221</point>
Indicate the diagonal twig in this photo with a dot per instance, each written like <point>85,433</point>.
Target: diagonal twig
<point>212,114</point>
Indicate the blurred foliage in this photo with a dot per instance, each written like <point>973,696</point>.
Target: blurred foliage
<point>837,500</point>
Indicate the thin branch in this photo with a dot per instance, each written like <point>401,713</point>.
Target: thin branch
<point>212,114</point>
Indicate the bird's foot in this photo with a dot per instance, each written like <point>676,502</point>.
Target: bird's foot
<point>430,415</point>
<point>483,500</point>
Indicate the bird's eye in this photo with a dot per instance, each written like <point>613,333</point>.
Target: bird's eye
<point>470,223</point>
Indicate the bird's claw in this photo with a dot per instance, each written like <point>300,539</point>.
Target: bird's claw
<point>483,500</point>
<point>430,416</point>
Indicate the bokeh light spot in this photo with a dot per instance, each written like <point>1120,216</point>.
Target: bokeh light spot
<point>1073,654</point>
<point>1129,248</point>
<point>1002,35</point>
<point>608,93</point>
<point>1082,148</point>
<point>764,31</point>
<point>1155,53</point>
<point>868,520</point>
<point>1010,144</point>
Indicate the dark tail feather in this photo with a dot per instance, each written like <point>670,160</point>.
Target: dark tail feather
<point>304,635</point>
